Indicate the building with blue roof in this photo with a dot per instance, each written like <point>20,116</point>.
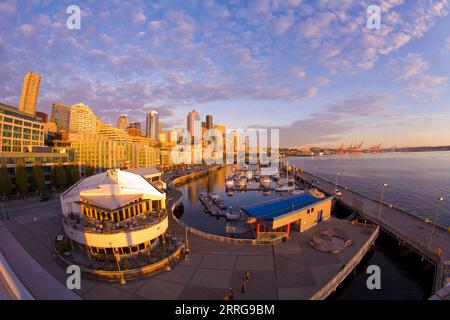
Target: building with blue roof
<point>297,212</point>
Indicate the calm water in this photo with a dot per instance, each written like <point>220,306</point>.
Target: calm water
<point>403,276</point>
<point>415,179</point>
<point>194,215</point>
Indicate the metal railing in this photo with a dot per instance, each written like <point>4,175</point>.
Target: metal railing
<point>337,280</point>
<point>81,227</point>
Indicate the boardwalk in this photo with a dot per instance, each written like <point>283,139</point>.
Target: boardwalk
<point>406,227</point>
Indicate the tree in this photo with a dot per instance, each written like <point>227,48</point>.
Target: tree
<point>5,181</point>
<point>88,171</point>
<point>38,181</point>
<point>60,176</point>
<point>21,180</point>
<point>75,174</point>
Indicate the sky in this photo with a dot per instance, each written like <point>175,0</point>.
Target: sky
<point>309,68</point>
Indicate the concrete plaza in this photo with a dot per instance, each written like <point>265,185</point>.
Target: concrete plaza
<point>288,270</point>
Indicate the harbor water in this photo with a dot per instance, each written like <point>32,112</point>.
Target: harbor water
<point>403,275</point>
<point>415,179</point>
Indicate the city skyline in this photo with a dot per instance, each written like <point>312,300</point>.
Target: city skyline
<point>312,69</point>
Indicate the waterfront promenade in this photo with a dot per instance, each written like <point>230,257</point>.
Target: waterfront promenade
<point>409,229</point>
<point>287,270</point>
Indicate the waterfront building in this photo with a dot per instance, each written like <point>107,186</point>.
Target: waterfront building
<point>60,116</point>
<point>194,125</point>
<point>19,131</point>
<point>29,95</point>
<point>122,122</point>
<point>134,129</point>
<point>82,119</point>
<point>112,147</point>
<point>203,128</point>
<point>279,216</point>
<point>152,126</point>
<point>172,137</point>
<point>163,137</point>
<point>151,174</point>
<point>209,122</point>
<point>114,212</point>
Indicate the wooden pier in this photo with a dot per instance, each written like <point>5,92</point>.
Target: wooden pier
<point>409,229</point>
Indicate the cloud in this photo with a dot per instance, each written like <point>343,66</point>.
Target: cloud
<point>412,71</point>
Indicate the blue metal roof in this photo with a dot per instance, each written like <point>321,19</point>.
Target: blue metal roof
<point>270,210</point>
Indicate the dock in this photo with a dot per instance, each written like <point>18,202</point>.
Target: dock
<point>409,229</point>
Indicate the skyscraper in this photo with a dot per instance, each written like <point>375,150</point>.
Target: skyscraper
<point>30,90</point>
<point>134,129</point>
<point>194,125</point>
<point>122,122</point>
<point>152,126</point>
<point>209,122</point>
<point>82,119</point>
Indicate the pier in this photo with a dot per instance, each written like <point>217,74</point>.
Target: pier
<point>410,230</point>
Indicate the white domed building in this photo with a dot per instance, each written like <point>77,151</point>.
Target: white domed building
<point>115,212</point>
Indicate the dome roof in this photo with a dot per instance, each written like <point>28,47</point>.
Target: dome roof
<point>113,188</point>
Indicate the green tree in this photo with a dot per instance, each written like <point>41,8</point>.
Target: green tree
<point>21,180</point>
<point>88,171</point>
<point>60,176</point>
<point>38,181</point>
<point>5,181</point>
<point>75,174</point>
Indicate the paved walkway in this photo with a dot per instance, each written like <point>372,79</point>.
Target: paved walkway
<point>288,270</point>
<point>407,227</point>
<point>27,265</point>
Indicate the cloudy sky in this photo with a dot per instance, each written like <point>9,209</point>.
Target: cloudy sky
<point>311,68</point>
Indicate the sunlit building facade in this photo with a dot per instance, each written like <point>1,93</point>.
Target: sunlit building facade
<point>114,212</point>
<point>19,131</point>
<point>29,95</point>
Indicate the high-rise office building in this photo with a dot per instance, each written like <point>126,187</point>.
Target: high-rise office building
<point>82,119</point>
<point>209,122</point>
<point>60,116</point>
<point>122,122</point>
<point>152,126</point>
<point>29,95</point>
<point>19,131</point>
<point>134,129</point>
<point>194,125</point>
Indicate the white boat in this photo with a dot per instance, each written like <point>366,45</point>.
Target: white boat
<point>284,188</point>
<point>237,227</point>
<point>213,196</point>
<point>229,183</point>
<point>265,182</point>
<point>242,183</point>
<point>276,176</point>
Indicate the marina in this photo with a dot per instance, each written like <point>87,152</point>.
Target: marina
<point>214,183</point>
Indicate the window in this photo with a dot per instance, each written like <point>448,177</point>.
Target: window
<point>312,209</point>
<point>307,211</point>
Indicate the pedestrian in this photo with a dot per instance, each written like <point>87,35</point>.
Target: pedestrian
<point>243,287</point>
<point>230,294</point>
<point>247,276</point>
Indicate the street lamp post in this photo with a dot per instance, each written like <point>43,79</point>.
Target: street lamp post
<point>336,183</point>
<point>381,203</point>
<point>439,201</point>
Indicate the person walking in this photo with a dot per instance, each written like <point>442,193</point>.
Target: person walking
<point>230,294</point>
<point>243,287</point>
<point>247,276</point>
